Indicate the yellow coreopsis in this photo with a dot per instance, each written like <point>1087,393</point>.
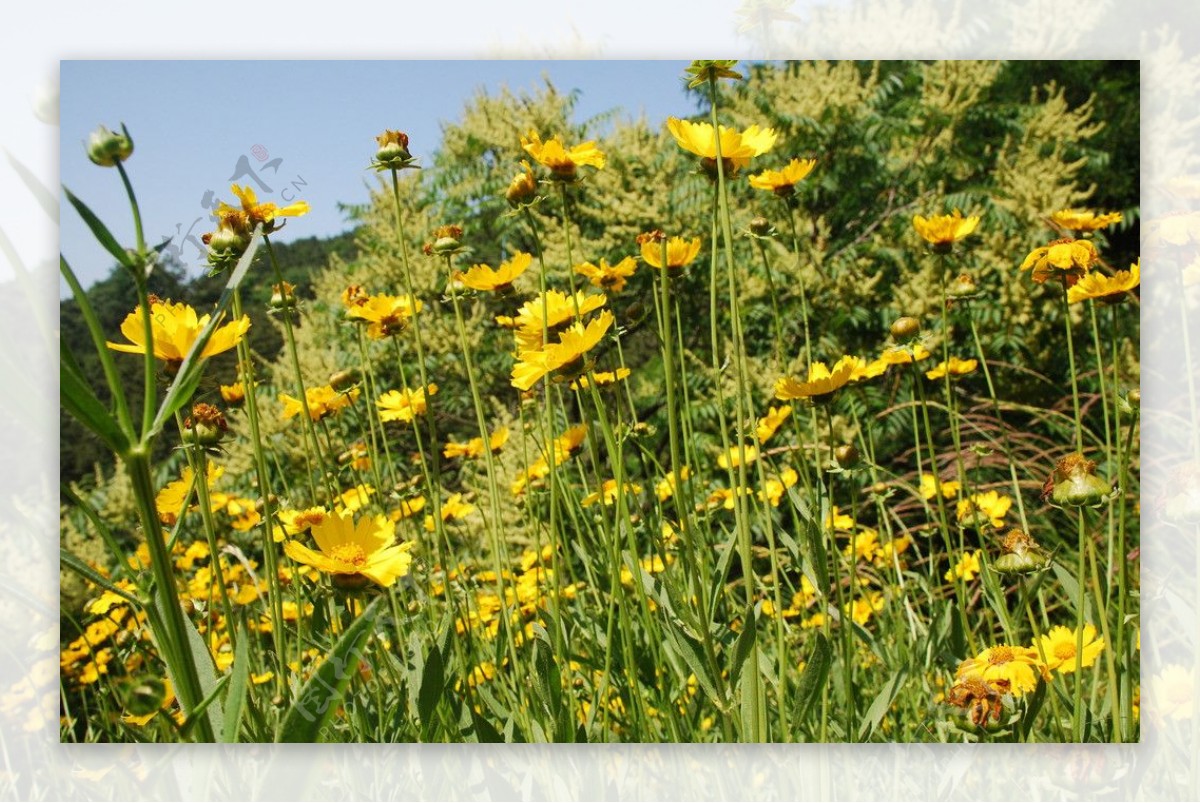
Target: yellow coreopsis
<point>322,401</point>
<point>1065,259</point>
<point>499,280</point>
<point>1106,289</point>
<point>562,162</point>
<point>174,329</point>
<point>1017,667</point>
<point>608,277</point>
<point>404,405</point>
<point>942,231</point>
<point>264,213</point>
<point>954,367</point>
<point>386,315</point>
<point>783,182</point>
<point>680,252</point>
<point>566,358</point>
<point>354,554</point>
<point>822,381</point>
<point>737,147</point>
<point>1059,648</point>
<point>1080,220</point>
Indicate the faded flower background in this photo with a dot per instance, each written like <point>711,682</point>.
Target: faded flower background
<point>33,765</point>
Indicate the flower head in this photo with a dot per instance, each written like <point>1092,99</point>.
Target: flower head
<point>966,568</point>
<point>522,190</point>
<point>680,252</point>
<point>1019,667</point>
<point>608,277</point>
<point>609,492</point>
<point>322,401</point>
<point>737,148</point>
<point>1106,289</point>
<point>562,162</point>
<point>354,554</point>
<point>554,312</point>
<point>821,384</point>
<point>566,358</point>
<point>264,213</point>
<point>704,70</point>
<point>770,423</point>
<point>499,280</point>
<point>1080,220</point>
<point>1059,648</point>
<point>942,231</point>
<point>386,315</point>
<point>783,182</point>
<point>988,507</point>
<point>930,485</point>
<point>392,152</point>
<point>474,447</point>
<point>404,405</point>
<point>1064,259</point>
<point>954,367</point>
<point>175,328</point>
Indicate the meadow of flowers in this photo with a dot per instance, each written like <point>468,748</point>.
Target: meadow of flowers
<point>733,464</point>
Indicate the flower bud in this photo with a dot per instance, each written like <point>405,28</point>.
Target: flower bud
<point>283,296</point>
<point>106,148</point>
<point>847,456</point>
<point>1021,554</point>
<point>393,150</point>
<point>962,288</point>
<point>761,227</point>
<point>342,381</point>
<point>522,190</point>
<point>205,426</point>
<point>905,328</point>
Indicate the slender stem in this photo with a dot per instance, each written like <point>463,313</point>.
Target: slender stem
<point>1071,366</point>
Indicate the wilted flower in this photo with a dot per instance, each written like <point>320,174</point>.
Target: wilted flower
<point>1064,259</point>
<point>1074,482</point>
<point>1019,667</point>
<point>392,153</point>
<point>1020,554</point>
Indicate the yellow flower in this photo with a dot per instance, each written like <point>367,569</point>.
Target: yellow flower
<point>404,405</point>
<point>602,378</point>
<point>821,384</point>
<point>774,488</point>
<point>1058,647</point>
<point>861,370</point>
<point>929,486</point>
<point>169,500</point>
<point>353,499</point>
<point>453,508</point>
<point>295,522</point>
<point>566,357</point>
<point>175,329</point>
<point>1108,289</point>
<point>1015,667</point>
<point>738,148</point>
<point>865,606</point>
<point>1066,259</point>
<point>608,277</point>
<point>733,459</point>
<point>233,394</point>
<point>665,488</point>
<point>522,190</point>
<point>680,252</point>
<point>770,423</point>
<point>945,230</point>
<point>355,553</point>
<point>474,447</point>
<point>955,367</point>
<point>966,568</point>
<point>322,401</point>
<point>1079,220</point>
<point>990,506</point>
<point>560,310</point>
<point>902,355</point>
<point>408,508</point>
<point>562,162</point>
<point>387,315</point>
<point>836,520</point>
<point>783,182</point>
<point>264,213</point>
<point>500,280</point>
<point>608,493</point>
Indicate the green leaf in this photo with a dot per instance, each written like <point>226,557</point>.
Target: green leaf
<point>205,706</point>
<point>99,230</point>
<point>80,401</point>
<point>319,697</point>
<point>187,379</point>
<point>812,680</point>
<point>208,680</point>
<point>881,703</point>
<point>433,680</point>
<point>235,698</point>
<point>744,646</point>
<point>692,654</point>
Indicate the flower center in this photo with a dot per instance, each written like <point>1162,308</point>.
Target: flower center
<point>1000,655</point>
<point>1064,650</point>
<point>349,553</point>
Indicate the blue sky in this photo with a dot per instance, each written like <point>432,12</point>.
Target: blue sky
<point>306,129</point>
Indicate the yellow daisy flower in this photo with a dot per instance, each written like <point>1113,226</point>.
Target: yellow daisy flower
<point>783,182</point>
<point>955,367</point>
<point>1018,667</point>
<point>733,458</point>
<point>404,405</point>
<point>966,569</point>
<point>608,277</point>
<point>564,358</point>
<point>561,161</point>
<point>1107,289</point>
<point>1059,647</point>
<point>264,213</point>
<point>942,231</point>
<point>1067,259</point>
<point>500,280</point>
<point>474,447</point>
<point>775,487</point>
<point>602,378</point>
<point>680,252</point>
<point>738,148</point>
<point>822,381</point>
<point>234,394</point>
<point>665,488</point>
<point>903,355</point>
<point>174,329</point>
<point>354,553</point>
<point>1079,220</point>
<point>608,493</point>
<point>453,508</point>
<point>770,423</point>
<point>990,506</point>
<point>322,401</point>
<point>929,486</point>
<point>560,310</point>
<point>386,315</point>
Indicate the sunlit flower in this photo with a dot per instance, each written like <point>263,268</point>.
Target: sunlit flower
<point>234,394</point>
<point>322,401</point>
<point>264,213</point>
<point>606,276</point>
<point>822,381</point>
<point>453,508</point>
<point>733,458</point>
<point>499,280</point>
<point>1019,667</point>
<point>942,231</point>
<point>386,315</point>
<point>1079,220</point>
<point>408,508</point>
<point>955,367</point>
<point>609,492</point>
<point>354,553</point>
<point>1059,648</point>
<point>680,252</point>
<point>903,355</point>
<point>559,311</point>
<point>929,487</point>
<point>771,422</point>
<point>1066,259</point>
<point>775,487</point>
<point>990,506</point>
<point>295,522</point>
<point>175,329</point>
<point>966,569</point>
<point>522,190</point>
<point>783,182</point>
<point>861,370</point>
<point>737,148</point>
<point>474,447</point>
<point>837,520</point>
<point>561,161</point>
<point>865,606</point>
<point>602,378</point>
<point>404,405</point>
<point>169,501</point>
<point>1107,289</point>
<point>664,489</point>
<point>566,358</point>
